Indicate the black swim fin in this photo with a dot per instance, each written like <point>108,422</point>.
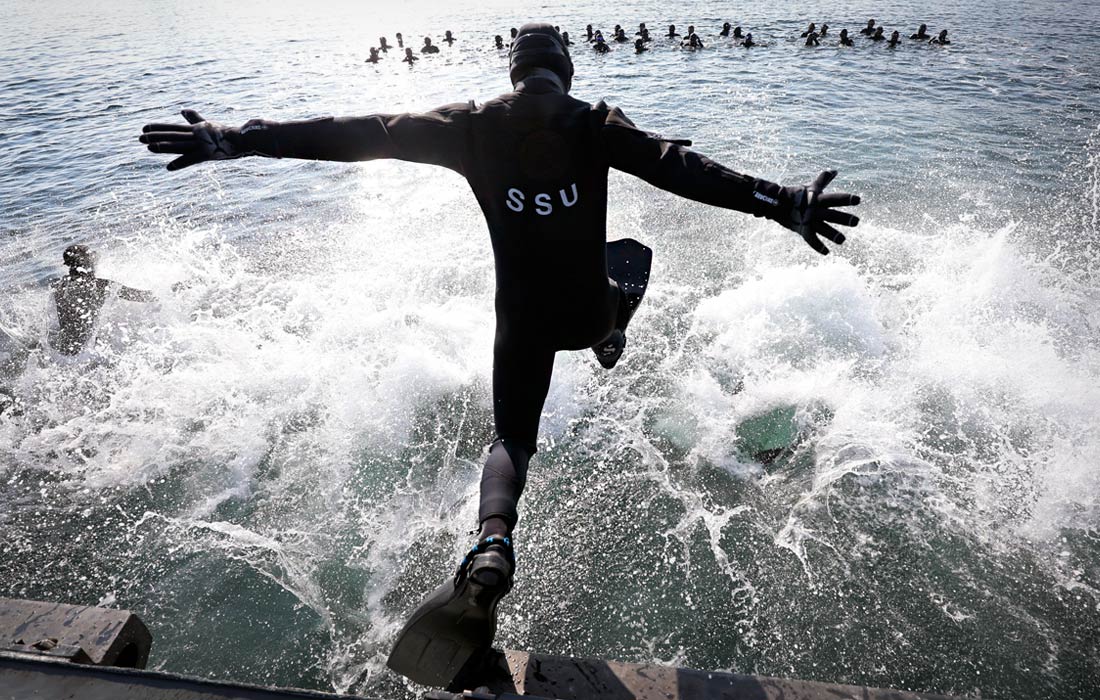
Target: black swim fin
<point>456,624</point>
<point>628,263</point>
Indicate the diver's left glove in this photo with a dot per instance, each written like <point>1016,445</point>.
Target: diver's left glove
<point>806,211</point>
<point>196,141</point>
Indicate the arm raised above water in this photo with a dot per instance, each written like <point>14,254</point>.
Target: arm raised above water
<point>669,165</point>
<point>435,137</point>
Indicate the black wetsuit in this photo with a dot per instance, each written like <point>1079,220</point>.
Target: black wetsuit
<point>537,162</point>
<point>78,299</point>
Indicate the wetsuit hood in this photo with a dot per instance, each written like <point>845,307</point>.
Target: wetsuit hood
<point>80,258</point>
<point>539,45</point>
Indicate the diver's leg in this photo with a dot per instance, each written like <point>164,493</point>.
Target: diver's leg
<point>521,380</point>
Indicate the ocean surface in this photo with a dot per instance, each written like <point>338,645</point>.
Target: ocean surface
<point>275,461</point>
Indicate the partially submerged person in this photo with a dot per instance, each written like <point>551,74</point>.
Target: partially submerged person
<point>79,297</point>
<point>844,40</point>
<point>811,39</point>
<point>374,57</point>
<point>565,38</point>
<point>940,40</point>
<point>737,32</point>
<point>645,36</point>
<point>448,37</point>
<point>922,33</point>
<point>410,57</point>
<point>639,46</point>
<point>537,161</point>
<point>725,29</point>
<point>600,46</point>
<point>498,41</point>
<point>383,44</point>
<point>400,40</point>
<point>641,30</point>
<point>812,29</point>
<point>824,29</point>
<point>620,36</point>
<point>428,47</point>
<point>692,42</point>
<point>869,29</point>
<point>748,43</point>
<point>588,31</point>
<point>878,35</point>
<point>895,39</point>
<point>671,32</point>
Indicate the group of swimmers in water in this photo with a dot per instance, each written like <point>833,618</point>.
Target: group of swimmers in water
<point>689,40</point>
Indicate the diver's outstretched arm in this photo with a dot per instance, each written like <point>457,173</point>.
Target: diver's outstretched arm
<point>131,294</point>
<point>435,137</point>
<point>668,165</point>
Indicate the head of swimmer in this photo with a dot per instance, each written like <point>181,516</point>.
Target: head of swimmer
<point>540,51</point>
<point>80,259</point>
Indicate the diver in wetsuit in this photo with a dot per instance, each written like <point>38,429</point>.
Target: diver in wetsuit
<point>600,46</point>
<point>869,29</point>
<point>537,161</point>
<point>737,32</point>
<point>878,35</point>
<point>811,39</point>
<point>428,47</point>
<point>588,31</point>
<point>449,38</point>
<point>374,57</point>
<point>725,29</point>
<point>922,33</point>
<point>639,46</point>
<point>940,40</point>
<point>692,42</point>
<point>410,58</point>
<point>620,36</point>
<point>844,40</point>
<point>565,38</point>
<point>895,39</point>
<point>671,32</point>
<point>824,29</point>
<point>748,43</point>
<point>79,297</point>
<point>642,31</point>
<point>809,30</point>
<point>498,42</point>
<point>383,45</point>
<point>400,40</point>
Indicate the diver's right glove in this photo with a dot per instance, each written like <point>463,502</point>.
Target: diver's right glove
<point>195,142</point>
<point>806,211</point>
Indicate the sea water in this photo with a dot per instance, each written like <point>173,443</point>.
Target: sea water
<point>878,467</point>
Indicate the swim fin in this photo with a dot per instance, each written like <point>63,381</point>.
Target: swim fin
<point>456,624</point>
<point>628,263</point>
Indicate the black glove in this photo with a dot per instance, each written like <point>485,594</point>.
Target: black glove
<point>196,141</point>
<point>807,212</point>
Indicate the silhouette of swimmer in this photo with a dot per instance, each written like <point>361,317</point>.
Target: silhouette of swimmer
<point>824,29</point>
<point>383,45</point>
<point>941,40</point>
<point>514,32</point>
<point>641,30</point>
<point>427,47</point>
<point>737,32</point>
<point>639,46</point>
<point>692,42</point>
<point>809,30</point>
<point>748,43</point>
<point>565,38</point>
<point>79,298</point>
<point>844,40</point>
<point>448,37</point>
<point>877,36</point>
<point>400,40</point>
<point>671,32</point>
<point>725,29</point>
<point>374,57</point>
<point>410,57</point>
<point>922,33</point>
<point>498,41</point>
<point>811,39</point>
<point>620,36</point>
<point>588,31</point>
<point>895,39</point>
<point>600,46</point>
<point>869,29</point>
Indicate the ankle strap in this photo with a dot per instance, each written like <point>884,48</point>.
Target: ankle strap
<point>504,543</point>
